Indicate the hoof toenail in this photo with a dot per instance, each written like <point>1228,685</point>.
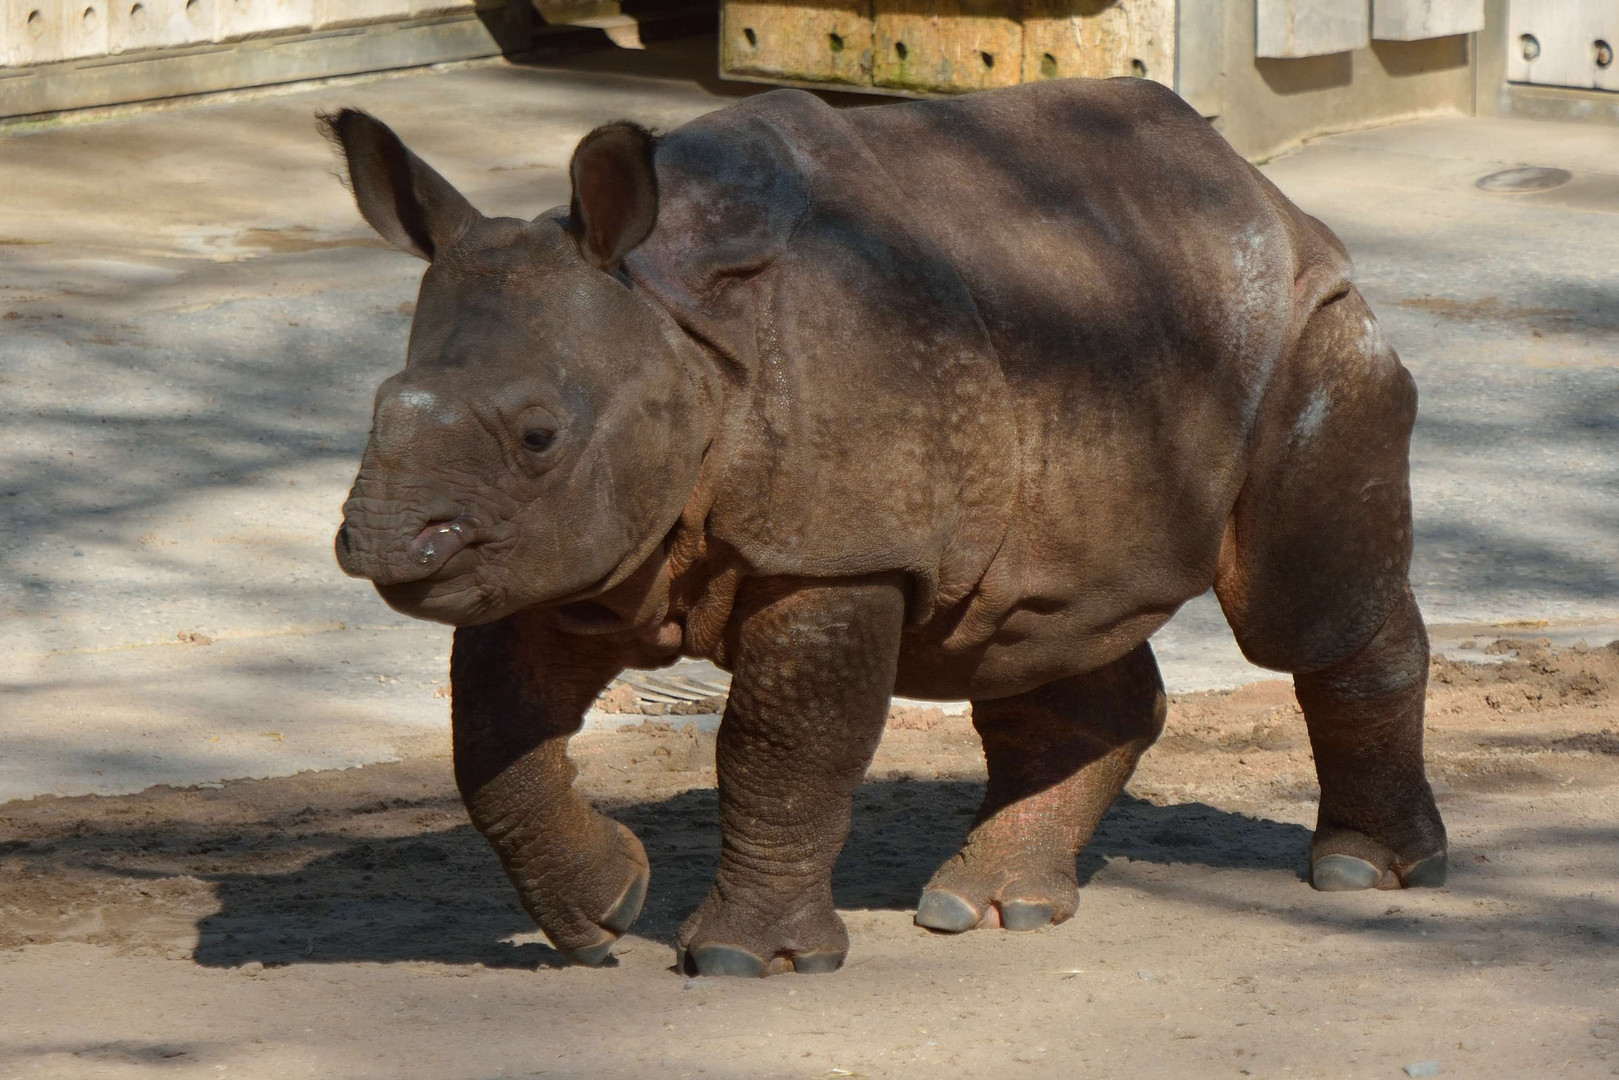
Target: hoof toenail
<point>946,912</point>
<point>1025,914</point>
<point>1343,873</point>
<point>725,960</point>
<point>628,908</point>
<point>1428,873</point>
<point>591,955</point>
<point>817,963</point>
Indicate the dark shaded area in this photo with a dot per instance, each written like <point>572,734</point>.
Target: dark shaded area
<point>1307,74</point>
<point>1402,59</point>
<point>125,1052</point>
<point>437,894</point>
<point>587,53</point>
<point>523,33</point>
<point>1399,59</point>
<point>379,865</point>
<point>512,25</point>
<point>440,897</point>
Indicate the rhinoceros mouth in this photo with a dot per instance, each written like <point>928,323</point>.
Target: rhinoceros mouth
<point>458,598</point>
<point>438,543</point>
<point>440,548</point>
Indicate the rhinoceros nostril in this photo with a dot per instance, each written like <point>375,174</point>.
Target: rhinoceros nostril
<point>345,541</point>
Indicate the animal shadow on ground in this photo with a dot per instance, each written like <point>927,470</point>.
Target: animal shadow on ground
<point>440,896</point>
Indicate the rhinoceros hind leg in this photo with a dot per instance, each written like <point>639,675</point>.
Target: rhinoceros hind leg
<point>1058,756</point>
<point>1313,580</point>
<point>1378,826</point>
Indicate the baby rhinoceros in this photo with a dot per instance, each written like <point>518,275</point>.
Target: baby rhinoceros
<point>958,399</point>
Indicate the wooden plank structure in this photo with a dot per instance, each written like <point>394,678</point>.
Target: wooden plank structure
<point>944,46</point>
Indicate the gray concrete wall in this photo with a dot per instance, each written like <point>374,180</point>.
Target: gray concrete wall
<point>1267,106</point>
<point>1497,97</point>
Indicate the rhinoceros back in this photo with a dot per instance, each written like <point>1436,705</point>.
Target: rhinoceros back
<point>1047,304</point>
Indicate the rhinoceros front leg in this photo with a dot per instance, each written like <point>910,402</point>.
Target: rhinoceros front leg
<point>814,669</point>
<point>1058,756</point>
<point>521,689</point>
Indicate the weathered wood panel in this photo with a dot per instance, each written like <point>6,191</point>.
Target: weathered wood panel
<point>1098,39</point>
<point>802,41</point>
<point>946,45</point>
<point>1415,20</point>
<point>1287,29</point>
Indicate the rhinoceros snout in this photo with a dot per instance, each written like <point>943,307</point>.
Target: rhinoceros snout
<point>389,557</point>
<point>352,555</point>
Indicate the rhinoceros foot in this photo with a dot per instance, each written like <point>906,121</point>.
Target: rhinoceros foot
<point>619,918</point>
<point>944,911</point>
<point>742,939</point>
<point>564,894</point>
<point>975,891</point>
<point>1341,871</point>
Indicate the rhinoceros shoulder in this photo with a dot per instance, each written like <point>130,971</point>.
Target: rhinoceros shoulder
<point>865,426</point>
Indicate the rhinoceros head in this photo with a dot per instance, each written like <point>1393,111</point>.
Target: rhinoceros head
<point>545,432</point>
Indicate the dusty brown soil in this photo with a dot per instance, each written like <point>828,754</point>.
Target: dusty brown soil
<point>351,924</point>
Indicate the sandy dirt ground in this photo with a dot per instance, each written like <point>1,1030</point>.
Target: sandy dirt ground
<point>351,924</point>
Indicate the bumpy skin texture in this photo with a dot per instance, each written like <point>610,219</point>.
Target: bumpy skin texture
<point>814,670</point>
<point>1058,756</point>
<point>957,398</point>
<point>521,690</point>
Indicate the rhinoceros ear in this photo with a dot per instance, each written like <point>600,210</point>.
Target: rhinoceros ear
<point>615,192</point>
<point>413,207</point>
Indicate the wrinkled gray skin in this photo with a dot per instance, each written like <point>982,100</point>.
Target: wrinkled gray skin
<point>957,398</point>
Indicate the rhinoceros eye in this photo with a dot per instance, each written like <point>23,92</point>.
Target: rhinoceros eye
<point>539,427</point>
